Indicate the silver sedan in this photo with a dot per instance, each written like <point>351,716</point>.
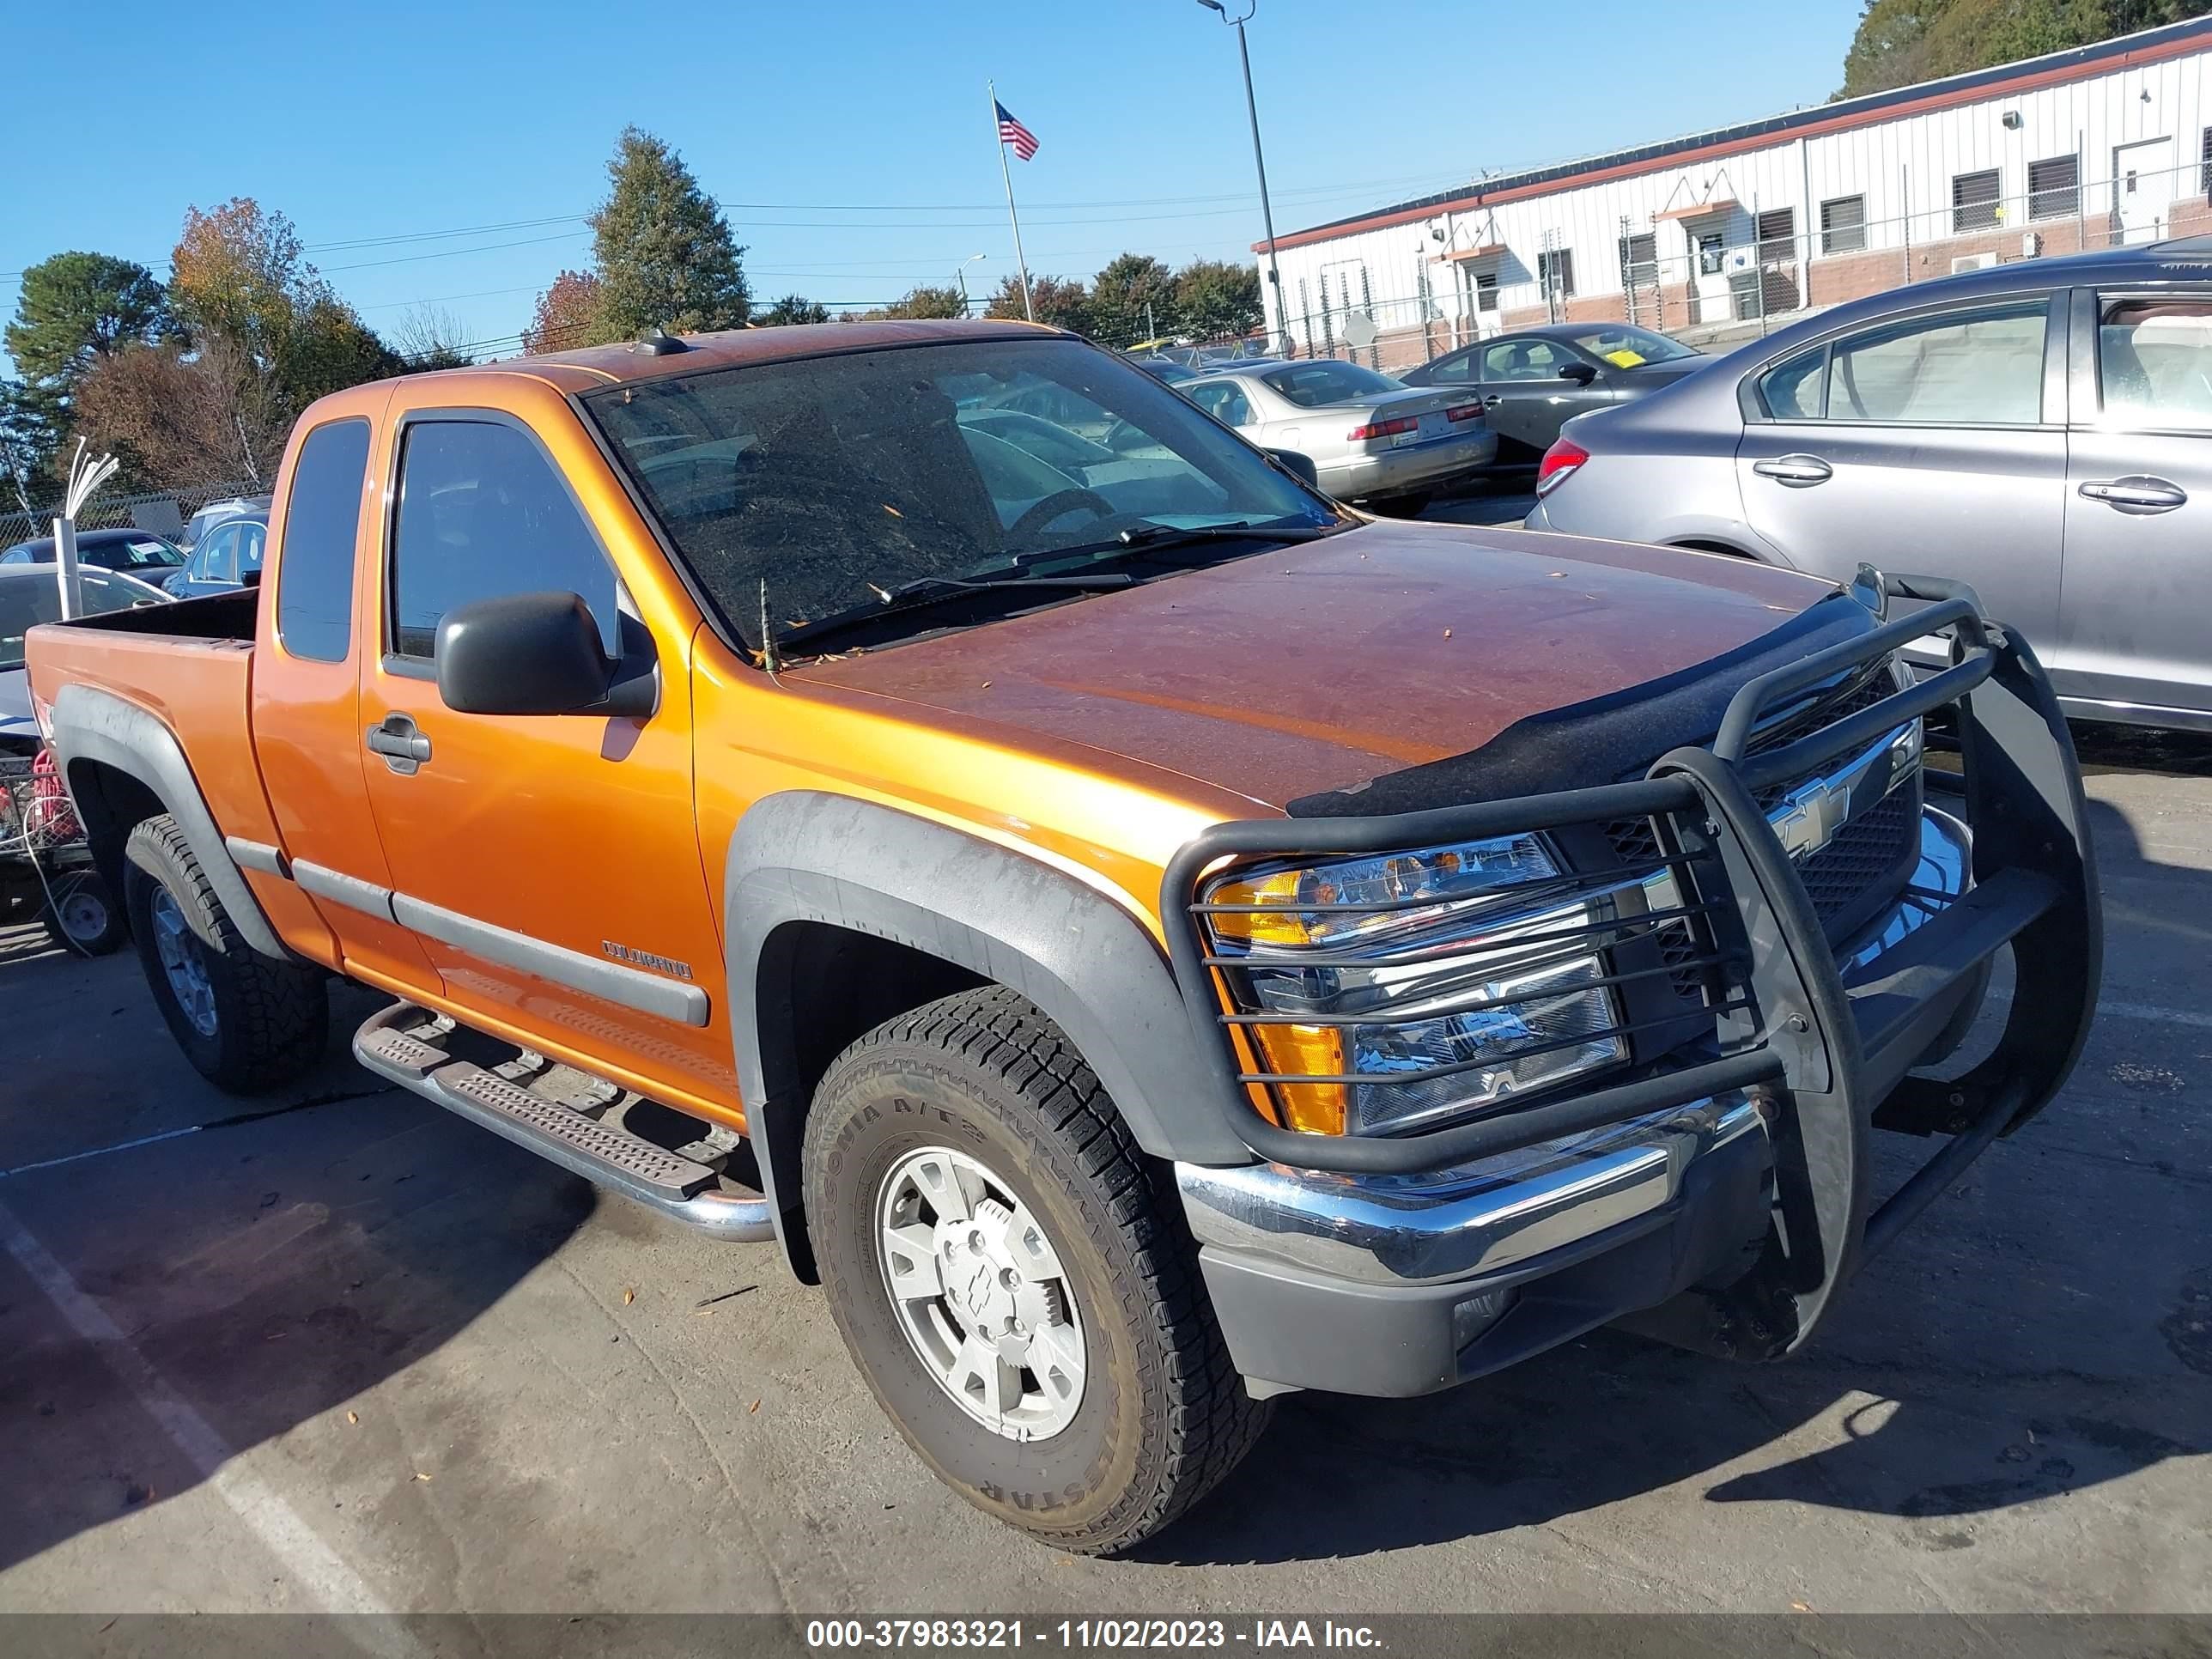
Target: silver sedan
<point>1370,438</point>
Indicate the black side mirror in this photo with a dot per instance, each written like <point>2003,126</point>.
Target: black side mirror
<point>1580,374</point>
<point>1299,466</point>
<point>535,653</point>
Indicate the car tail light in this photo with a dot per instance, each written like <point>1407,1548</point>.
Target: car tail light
<point>1384,428</point>
<point>1561,462</point>
<point>1464,412</point>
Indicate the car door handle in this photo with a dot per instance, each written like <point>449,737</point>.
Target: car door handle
<point>403,748</point>
<point>2137,493</point>
<point>1493,401</point>
<point>1797,472</point>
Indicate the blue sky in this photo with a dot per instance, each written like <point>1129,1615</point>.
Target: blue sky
<point>850,143</point>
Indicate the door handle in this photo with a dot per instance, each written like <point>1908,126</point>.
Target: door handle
<point>2136,494</point>
<point>1493,401</point>
<point>403,748</point>
<point>1797,472</point>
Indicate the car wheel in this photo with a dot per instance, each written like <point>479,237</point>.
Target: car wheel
<point>1402,507</point>
<point>246,1022</point>
<point>80,915</point>
<point>1018,1289</point>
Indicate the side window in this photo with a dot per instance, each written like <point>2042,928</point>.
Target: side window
<point>322,517</point>
<point>1221,400</point>
<point>483,514</point>
<point>2154,362</point>
<point>1458,370</point>
<point>1980,369</point>
<point>218,555</point>
<point>1523,359</point>
<point>1236,408</point>
<point>250,542</point>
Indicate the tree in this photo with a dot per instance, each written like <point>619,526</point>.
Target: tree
<point>1120,294</point>
<point>791,309</point>
<point>1900,42</point>
<point>665,256</point>
<point>30,436</point>
<point>176,420</point>
<point>76,308</point>
<point>431,337</point>
<point>1214,299</point>
<point>923,303</point>
<point>1062,303</point>
<point>567,315</point>
<point>239,270</point>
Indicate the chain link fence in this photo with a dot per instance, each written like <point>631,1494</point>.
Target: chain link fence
<point>163,512</point>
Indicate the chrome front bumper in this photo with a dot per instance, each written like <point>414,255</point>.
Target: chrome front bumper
<point>1499,1213</point>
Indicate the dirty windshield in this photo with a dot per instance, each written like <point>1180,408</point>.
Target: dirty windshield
<point>836,480</point>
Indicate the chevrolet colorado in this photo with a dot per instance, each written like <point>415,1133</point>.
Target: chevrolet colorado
<point>1145,939</point>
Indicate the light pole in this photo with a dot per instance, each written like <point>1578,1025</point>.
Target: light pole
<point>1258,159</point>
<point>960,275</point>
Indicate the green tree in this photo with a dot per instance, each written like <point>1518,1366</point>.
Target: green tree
<point>1215,299</point>
<point>1131,300</point>
<point>1900,42</point>
<point>30,436</point>
<point>791,309</point>
<point>665,256</point>
<point>76,308</point>
<point>1062,303</point>
<point>923,303</point>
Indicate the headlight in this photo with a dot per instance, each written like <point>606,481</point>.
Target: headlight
<point>1433,983</point>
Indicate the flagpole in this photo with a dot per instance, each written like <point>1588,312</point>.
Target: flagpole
<point>1014,219</point>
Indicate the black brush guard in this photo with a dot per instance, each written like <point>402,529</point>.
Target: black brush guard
<point>1831,1064</point>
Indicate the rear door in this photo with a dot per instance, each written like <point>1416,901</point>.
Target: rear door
<point>1526,395</point>
<point>550,865</point>
<point>2136,617</point>
<point>1933,443</point>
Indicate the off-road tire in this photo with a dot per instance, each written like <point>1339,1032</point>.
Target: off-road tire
<point>272,1018</point>
<point>1164,1415</point>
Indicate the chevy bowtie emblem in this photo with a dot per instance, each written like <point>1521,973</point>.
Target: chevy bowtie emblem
<point>1811,816</point>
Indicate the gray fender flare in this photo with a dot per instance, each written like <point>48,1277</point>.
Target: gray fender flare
<point>93,724</point>
<point>809,856</point>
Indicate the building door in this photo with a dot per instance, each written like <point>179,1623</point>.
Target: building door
<point>2143,189</point>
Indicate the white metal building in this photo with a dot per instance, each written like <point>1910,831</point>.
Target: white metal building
<point>2077,149</point>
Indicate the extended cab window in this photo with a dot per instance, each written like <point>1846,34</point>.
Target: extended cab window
<point>482,514</point>
<point>314,593</point>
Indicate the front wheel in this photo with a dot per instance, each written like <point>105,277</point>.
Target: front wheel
<point>1022,1299</point>
<point>246,1022</point>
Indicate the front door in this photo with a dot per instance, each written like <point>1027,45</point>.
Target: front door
<point>2135,623</point>
<point>550,864</point>
<point>1525,396</point>
<point>2143,189</point>
<point>1933,444</point>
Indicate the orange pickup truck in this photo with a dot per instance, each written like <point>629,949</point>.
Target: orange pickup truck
<point>1143,937</point>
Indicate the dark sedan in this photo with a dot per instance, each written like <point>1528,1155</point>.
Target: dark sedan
<point>138,553</point>
<point>1535,380</point>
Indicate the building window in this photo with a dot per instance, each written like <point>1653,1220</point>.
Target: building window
<point>1843,225</point>
<point>1710,253</point>
<point>1974,201</point>
<point>1555,271</point>
<point>2054,187</point>
<point>1486,290</point>
<point>2205,184</point>
<point>1639,260</point>
<point>1778,234</point>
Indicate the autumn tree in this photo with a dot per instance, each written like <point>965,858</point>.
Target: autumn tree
<point>1120,296</point>
<point>1057,300</point>
<point>791,309</point>
<point>567,315</point>
<point>924,301</point>
<point>665,253</point>
<point>1215,299</point>
<point>177,419</point>
<point>429,337</point>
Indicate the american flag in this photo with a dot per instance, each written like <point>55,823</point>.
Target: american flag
<point>1011,131</point>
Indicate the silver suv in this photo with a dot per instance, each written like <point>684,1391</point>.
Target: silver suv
<point>2042,430</point>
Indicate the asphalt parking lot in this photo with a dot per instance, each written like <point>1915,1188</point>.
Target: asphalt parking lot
<point>355,1353</point>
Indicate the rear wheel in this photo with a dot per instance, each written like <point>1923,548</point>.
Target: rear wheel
<point>1402,507</point>
<point>246,1022</point>
<point>1022,1299</point>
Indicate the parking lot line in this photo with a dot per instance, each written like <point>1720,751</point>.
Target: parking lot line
<point>2136,1010</point>
<point>329,1583</point>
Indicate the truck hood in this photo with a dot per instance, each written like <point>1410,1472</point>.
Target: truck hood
<point>1317,667</point>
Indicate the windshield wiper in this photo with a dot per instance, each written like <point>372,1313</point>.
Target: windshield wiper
<point>1159,537</point>
<point>927,591</point>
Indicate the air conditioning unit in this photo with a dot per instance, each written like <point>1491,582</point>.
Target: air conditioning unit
<point>1972,262</point>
